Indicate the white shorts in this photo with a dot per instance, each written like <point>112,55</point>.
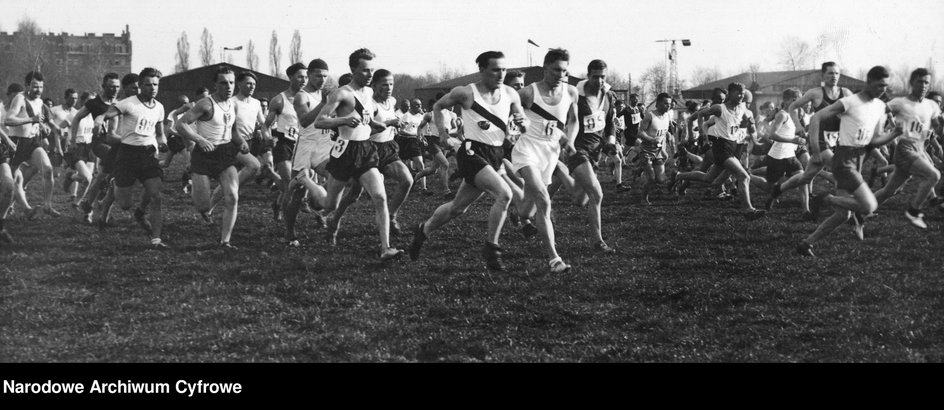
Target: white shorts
<point>311,152</point>
<point>540,155</point>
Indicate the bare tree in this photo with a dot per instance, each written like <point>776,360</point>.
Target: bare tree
<point>829,45</point>
<point>653,80</point>
<point>252,58</point>
<point>617,80</point>
<point>898,83</point>
<point>796,54</point>
<point>275,56</point>
<point>704,75</point>
<point>29,45</point>
<point>206,47</point>
<point>295,48</point>
<point>183,53</point>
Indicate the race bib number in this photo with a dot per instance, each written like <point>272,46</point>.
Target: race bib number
<point>339,147</point>
<point>594,122</point>
<point>513,129</point>
<point>831,137</point>
<point>410,128</point>
<point>326,131</point>
<point>550,128</point>
<point>291,133</point>
<point>145,127</point>
<point>618,123</point>
<point>863,136</point>
<point>914,130</point>
<point>636,118</point>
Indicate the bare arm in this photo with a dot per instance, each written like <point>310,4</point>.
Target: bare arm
<point>110,120</point>
<point>260,122</point>
<point>275,108</point>
<point>800,102</point>
<point>644,126</point>
<point>573,127</point>
<point>324,120</point>
<point>79,116</point>
<point>307,115</point>
<point>778,121</point>
<point>455,97</point>
<point>15,118</point>
<point>184,128</point>
<point>829,112</point>
<point>517,112</point>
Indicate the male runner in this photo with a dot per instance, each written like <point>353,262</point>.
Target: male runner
<point>653,131</point>
<point>216,147</point>
<point>96,109</point>
<point>26,116</point>
<point>282,108</point>
<point>411,149</point>
<point>488,108</point>
<point>434,148</point>
<point>781,159</point>
<point>861,125</point>
<point>140,130</point>
<point>918,117</point>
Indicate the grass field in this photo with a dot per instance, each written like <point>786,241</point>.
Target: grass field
<point>692,281</point>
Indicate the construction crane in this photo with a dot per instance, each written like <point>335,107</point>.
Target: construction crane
<point>672,84</point>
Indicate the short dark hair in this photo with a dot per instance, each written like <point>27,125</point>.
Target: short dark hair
<point>735,87</point>
<point>68,92</point>
<point>150,72</point>
<point>85,95</point>
<point>129,78</point>
<point>381,74</point>
<point>791,94</point>
<point>359,54</point>
<point>826,66</point>
<point>15,88</point>
<point>202,90</point>
<point>596,65</point>
<point>345,79</point>
<point>933,94</point>
<point>556,54</point>
<point>317,64</point>
<point>512,75</point>
<point>634,95</point>
<point>33,75</point>
<point>292,69</point>
<point>244,75</point>
<point>918,73</point>
<point>877,73</point>
<point>663,97</point>
<point>222,70</point>
<point>482,59</point>
<point>110,76</point>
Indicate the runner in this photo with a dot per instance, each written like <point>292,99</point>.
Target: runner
<point>137,122</point>
<point>488,107</point>
<point>82,162</point>
<point>282,108</point>
<point>551,108</point>
<point>917,116</point>
<point>861,125</point>
<point>129,88</point>
<point>216,151</point>
<point>781,159</point>
<point>354,156</point>
<point>61,117</point>
<point>27,117</point>
<point>411,148</point>
<point>434,149</point>
<point>653,131</point>
<point>98,148</point>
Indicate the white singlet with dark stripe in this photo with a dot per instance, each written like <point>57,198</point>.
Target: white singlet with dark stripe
<point>362,131</point>
<point>479,129</point>
<point>218,130</point>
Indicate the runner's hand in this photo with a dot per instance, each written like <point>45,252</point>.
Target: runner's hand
<point>206,146</point>
<point>352,122</point>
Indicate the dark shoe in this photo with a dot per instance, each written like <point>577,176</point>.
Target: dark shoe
<point>809,217</point>
<point>67,180</point>
<point>142,221</point>
<point>755,214</point>
<point>772,199</point>
<point>207,219</point>
<point>514,218</point>
<point>450,195</point>
<point>391,254</point>
<point>418,238</point>
<point>805,249</point>
<point>528,229</point>
<point>604,248</point>
<point>226,247</point>
<point>492,254</point>
<point>160,246</point>
<point>86,207</point>
<point>276,214</point>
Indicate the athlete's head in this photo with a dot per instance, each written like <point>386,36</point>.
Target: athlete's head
<point>920,82</point>
<point>718,95</point>
<point>789,96</point>
<point>556,62</point>
<point>633,99</point>
<point>264,103</point>
<point>148,81</point>
<point>382,83</point>
<point>48,102</point>
<point>748,97</point>
<point>404,105</point>
<point>692,106</point>
<point>246,81</point>
<point>129,85</point>
<point>183,99</point>
<point>735,93</point>
<point>663,103</point>
<point>111,84</point>
<point>416,106</point>
<point>34,84</point>
<point>492,68</point>
<point>345,79</point>
<point>225,80</point>
<point>317,73</point>
<point>297,76</point>
<point>201,92</point>
<point>877,81</point>
<point>831,73</point>
<point>85,96</point>
<point>361,62</point>
<point>937,97</point>
<point>596,73</point>
<point>69,97</point>
<point>515,79</point>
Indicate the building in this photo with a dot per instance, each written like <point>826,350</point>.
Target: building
<point>187,82</point>
<point>531,75</point>
<point>769,86</point>
<point>66,60</point>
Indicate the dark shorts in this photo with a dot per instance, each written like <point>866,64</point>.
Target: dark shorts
<point>135,163</point>
<point>83,152</point>
<point>176,144</point>
<point>847,167</point>
<point>24,150</point>
<point>778,168</point>
<point>473,156</point>
<point>259,146</point>
<point>5,153</point>
<point>355,158</point>
<point>761,149</point>
<point>100,148</point>
<point>741,150</point>
<point>284,149</point>
<point>629,140</point>
<point>213,163</point>
<point>610,149</point>
<point>722,149</point>
<point>587,151</point>
<point>432,145</point>
<point>652,155</point>
<point>410,147</point>
<point>387,153</point>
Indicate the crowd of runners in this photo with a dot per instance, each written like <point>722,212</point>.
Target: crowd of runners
<point>320,149</point>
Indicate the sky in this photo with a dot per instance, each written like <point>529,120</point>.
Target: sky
<point>416,36</point>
